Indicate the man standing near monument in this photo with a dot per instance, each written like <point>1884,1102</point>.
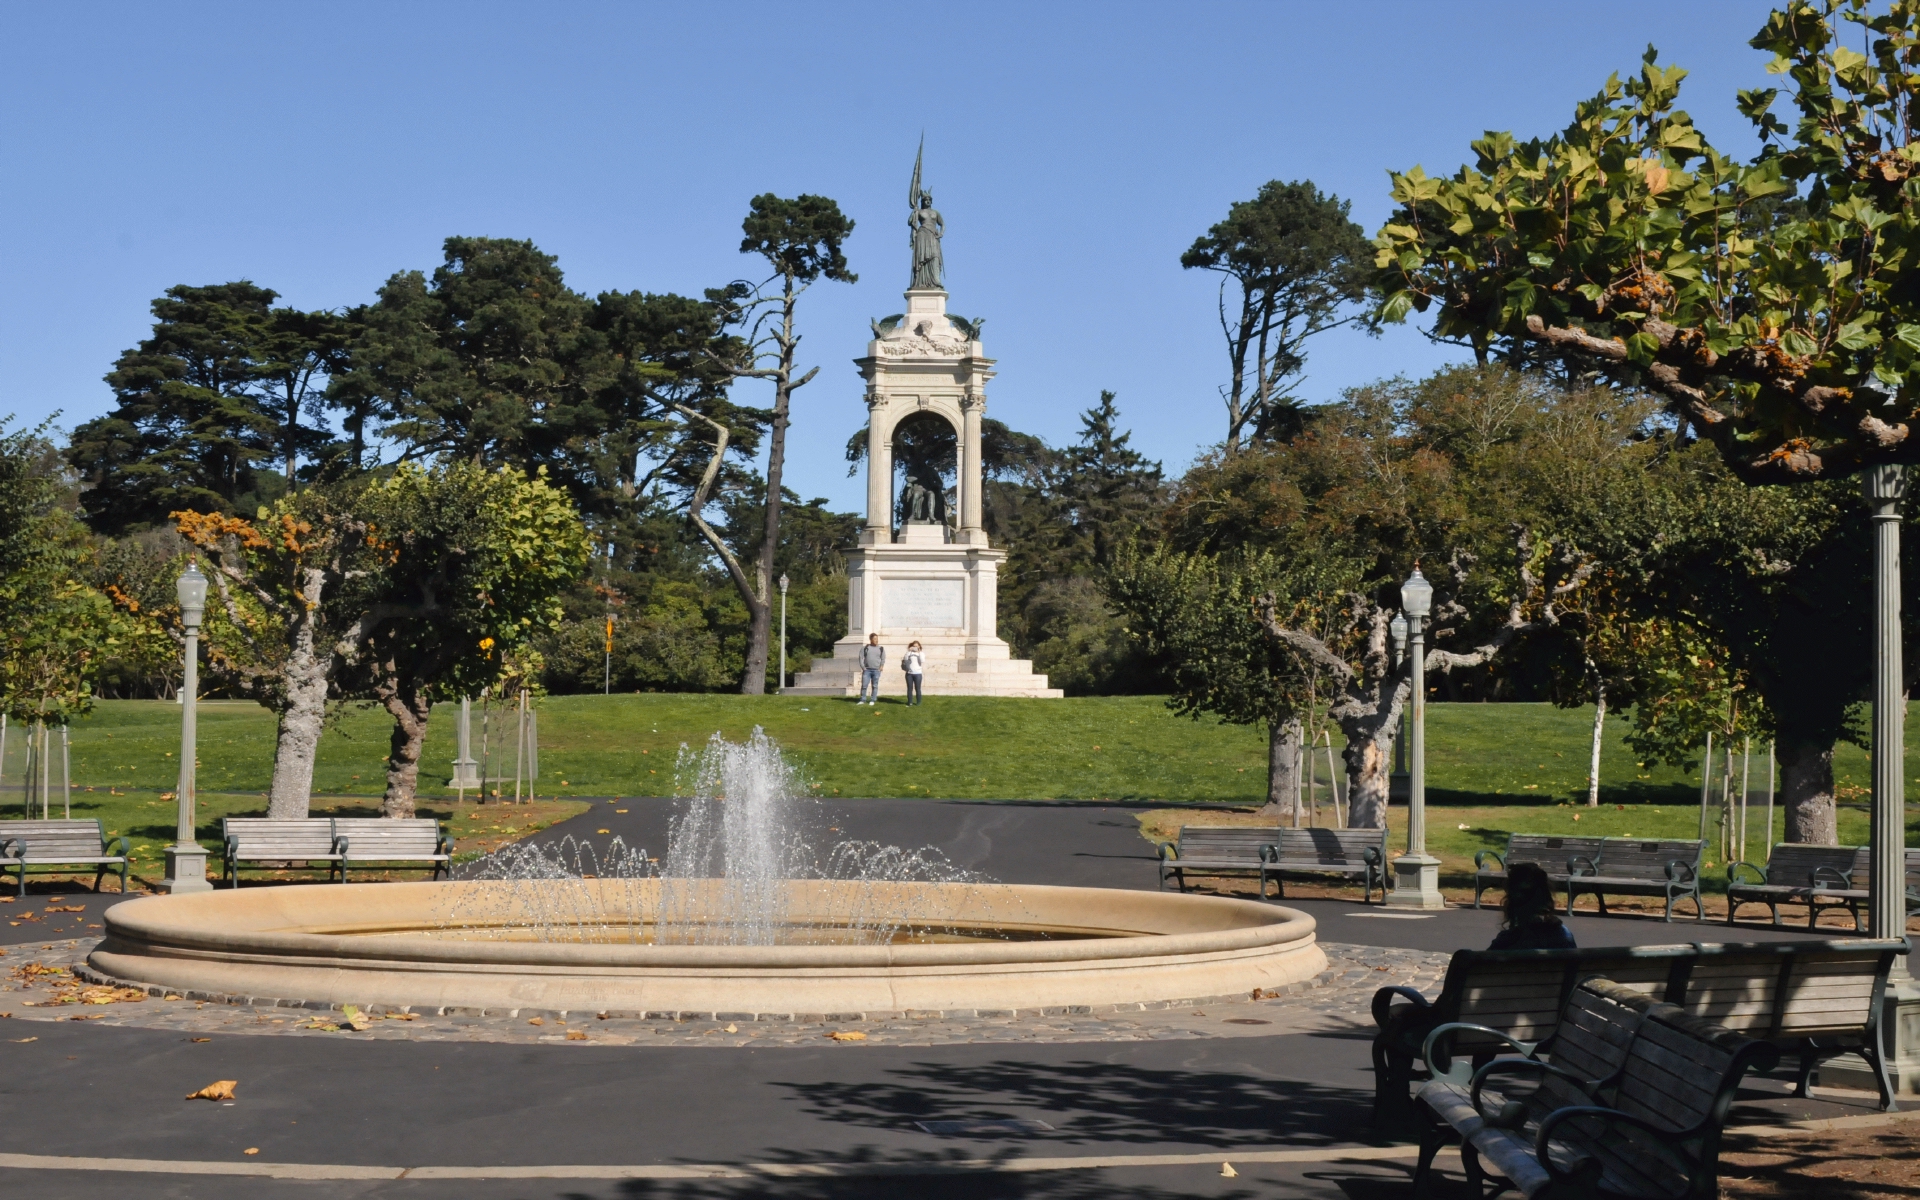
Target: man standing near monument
<point>873,656</point>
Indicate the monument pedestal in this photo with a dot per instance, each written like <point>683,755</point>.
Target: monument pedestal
<point>941,594</point>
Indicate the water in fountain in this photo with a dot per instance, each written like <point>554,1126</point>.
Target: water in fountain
<point>742,837</point>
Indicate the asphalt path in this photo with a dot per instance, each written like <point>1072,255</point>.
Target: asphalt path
<point>76,1090</point>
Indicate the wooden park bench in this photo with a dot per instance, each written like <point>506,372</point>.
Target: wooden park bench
<point>1813,999</point>
<point>310,841</point>
<point>1516,995</point>
<point>1361,852</point>
<point>1637,867</point>
<point>1803,874</point>
<point>385,840</point>
<point>1554,855</point>
<point>63,843</point>
<point>1218,850</point>
<point>1648,1126</point>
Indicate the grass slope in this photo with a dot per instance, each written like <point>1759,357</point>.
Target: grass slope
<point>1491,767</point>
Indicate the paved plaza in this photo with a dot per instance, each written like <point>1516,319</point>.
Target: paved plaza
<point>1055,1104</point>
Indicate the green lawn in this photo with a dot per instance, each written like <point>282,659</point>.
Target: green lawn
<point>1491,767</point>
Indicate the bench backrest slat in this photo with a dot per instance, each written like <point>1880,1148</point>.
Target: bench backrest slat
<point>1214,841</point>
<point>1552,853</point>
<point>420,835</point>
<point>1828,988</point>
<point>265,837</point>
<point>1635,858</point>
<point>45,839</point>
<point>1792,864</point>
<point>1594,1039</point>
<point>1345,847</point>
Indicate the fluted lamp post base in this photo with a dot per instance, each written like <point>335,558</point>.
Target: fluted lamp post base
<point>1416,883</point>
<point>186,870</point>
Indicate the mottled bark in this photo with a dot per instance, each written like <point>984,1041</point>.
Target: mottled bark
<point>1593,756</point>
<point>410,708</point>
<point>1806,791</point>
<point>303,704</point>
<point>1369,758</point>
<point>1283,771</point>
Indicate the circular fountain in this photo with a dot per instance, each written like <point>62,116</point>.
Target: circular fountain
<point>740,917</point>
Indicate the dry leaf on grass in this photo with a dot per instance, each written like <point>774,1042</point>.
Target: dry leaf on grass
<point>576,1035</point>
<point>219,1089</point>
<point>847,1035</point>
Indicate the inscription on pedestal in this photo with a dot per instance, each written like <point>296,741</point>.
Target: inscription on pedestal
<point>923,603</point>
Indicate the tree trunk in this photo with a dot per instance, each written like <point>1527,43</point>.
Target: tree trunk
<point>410,708</point>
<point>1369,756</point>
<point>304,711</point>
<point>1593,757</point>
<point>1806,791</point>
<point>753,681</point>
<point>1283,776</point>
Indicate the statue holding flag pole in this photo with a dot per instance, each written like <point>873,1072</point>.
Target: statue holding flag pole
<point>924,220</point>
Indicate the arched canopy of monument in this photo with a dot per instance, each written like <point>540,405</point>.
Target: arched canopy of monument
<point>927,449</point>
<point>888,413</point>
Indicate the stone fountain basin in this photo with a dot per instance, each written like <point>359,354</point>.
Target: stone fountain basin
<point>385,944</point>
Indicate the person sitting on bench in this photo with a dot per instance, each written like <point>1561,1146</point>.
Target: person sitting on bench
<point>1531,923</point>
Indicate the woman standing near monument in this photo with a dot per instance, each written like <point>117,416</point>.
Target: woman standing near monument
<point>914,663</point>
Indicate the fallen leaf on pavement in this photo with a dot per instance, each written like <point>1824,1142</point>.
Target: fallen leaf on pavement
<point>251,1150</point>
<point>847,1035</point>
<point>219,1089</point>
<point>199,1039</point>
<point>537,1021</point>
<point>1227,1171</point>
<point>65,908</point>
<point>354,1019</point>
<point>403,1016</point>
<point>31,1039</point>
<point>576,1035</point>
<point>732,1028</point>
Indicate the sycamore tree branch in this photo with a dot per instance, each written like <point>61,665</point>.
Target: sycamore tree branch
<point>1685,371</point>
<point>698,502</point>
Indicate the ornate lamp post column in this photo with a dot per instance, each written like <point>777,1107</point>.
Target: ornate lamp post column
<point>1884,488</point>
<point>186,859</point>
<point>1397,783</point>
<point>782,685</point>
<point>1416,882</point>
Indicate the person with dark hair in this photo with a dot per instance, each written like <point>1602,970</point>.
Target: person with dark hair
<point>1531,923</point>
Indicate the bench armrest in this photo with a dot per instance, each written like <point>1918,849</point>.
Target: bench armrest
<point>1169,851</point>
<point>107,845</point>
<point>1831,878</point>
<point>1573,866</point>
<point>1734,870</point>
<point>1480,858</point>
<point>12,848</point>
<point>1370,855</point>
<point>1384,998</point>
<point>445,845</point>
<point>1681,872</point>
<point>1512,1066</point>
<point>1663,1138</point>
<point>1438,1054</point>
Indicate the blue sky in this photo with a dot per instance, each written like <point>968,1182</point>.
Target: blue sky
<point>1074,149</point>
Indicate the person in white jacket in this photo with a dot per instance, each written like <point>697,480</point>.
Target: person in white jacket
<point>914,664</point>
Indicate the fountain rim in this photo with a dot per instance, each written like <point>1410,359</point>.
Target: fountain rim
<point>204,924</point>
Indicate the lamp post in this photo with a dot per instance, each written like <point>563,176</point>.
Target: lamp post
<point>783,633</point>
<point>186,859</point>
<point>1416,882</point>
<point>1397,782</point>
<point>1885,488</point>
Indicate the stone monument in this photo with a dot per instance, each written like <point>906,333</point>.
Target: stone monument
<point>929,577</point>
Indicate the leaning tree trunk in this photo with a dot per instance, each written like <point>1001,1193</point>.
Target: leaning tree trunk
<point>1283,771</point>
<point>1806,790</point>
<point>410,708</point>
<point>303,711</point>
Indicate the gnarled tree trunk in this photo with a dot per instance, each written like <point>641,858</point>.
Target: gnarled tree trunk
<point>303,707</point>
<point>410,708</point>
<point>1806,790</point>
<point>1369,758</point>
<point>1283,771</point>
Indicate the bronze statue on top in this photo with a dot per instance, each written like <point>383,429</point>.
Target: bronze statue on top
<point>925,222</point>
